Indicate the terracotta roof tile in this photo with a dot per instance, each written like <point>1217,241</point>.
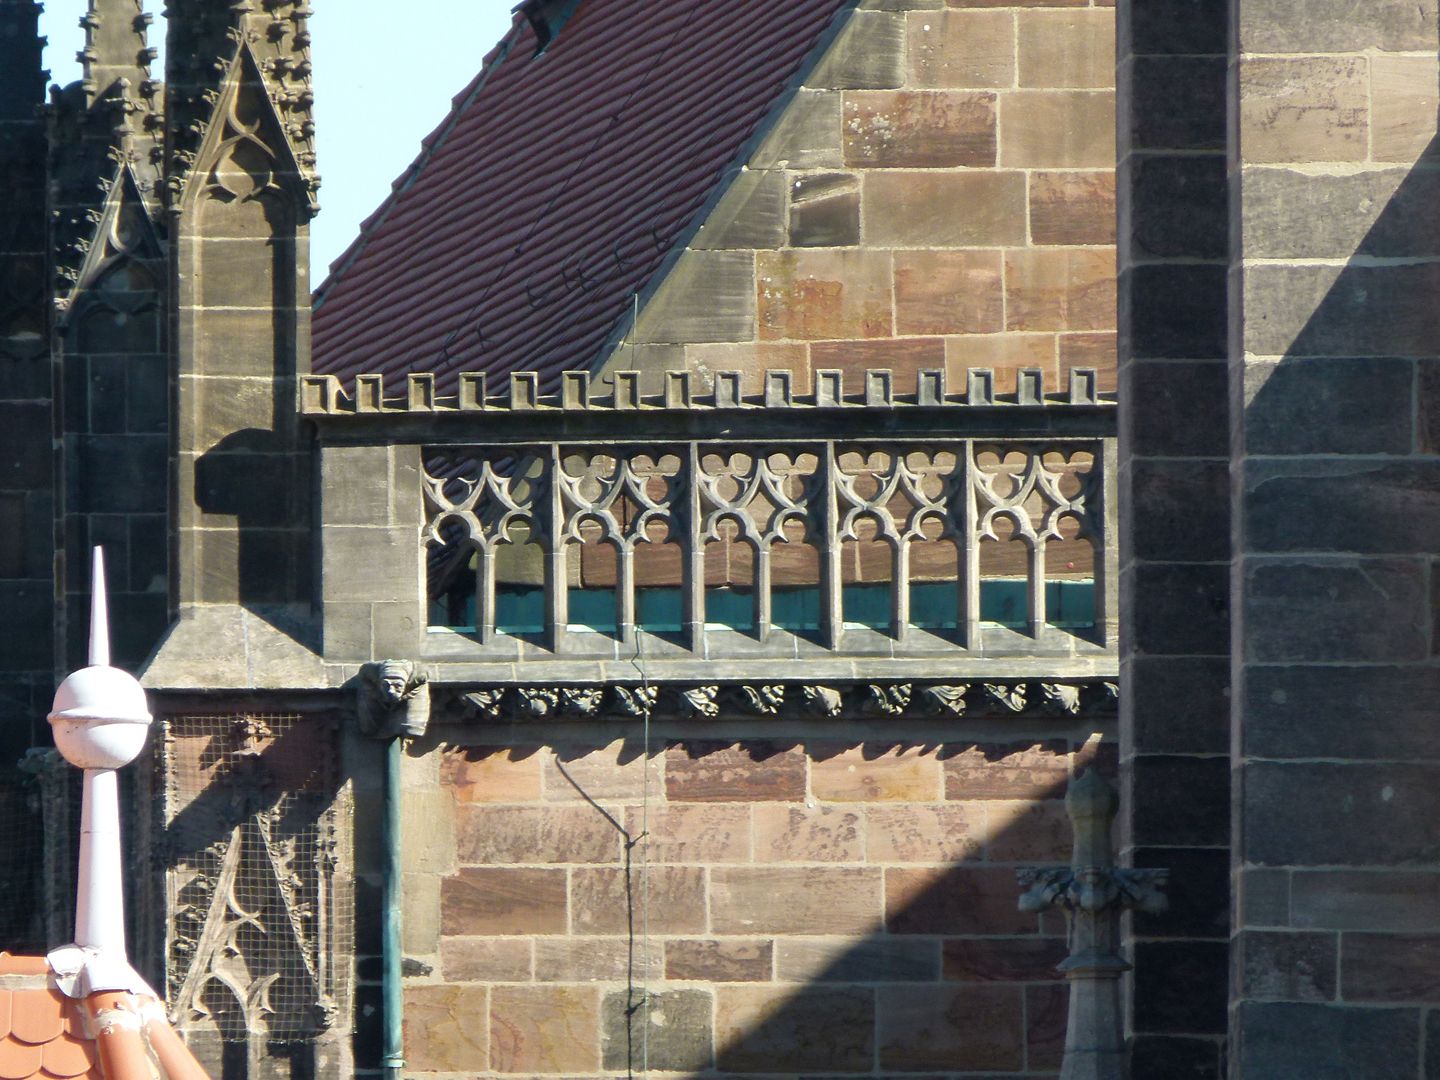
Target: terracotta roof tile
<point>557,186</point>
<point>69,1056</point>
<point>48,1035</point>
<point>37,1016</point>
<point>19,1060</point>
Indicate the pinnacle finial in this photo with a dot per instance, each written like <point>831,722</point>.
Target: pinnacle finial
<point>99,612</point>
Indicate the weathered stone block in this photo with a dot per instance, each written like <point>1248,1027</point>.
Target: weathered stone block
<point>707,296</point>
<point>1095,350</point>
<point>1003,959</point>
<point>698,833</point>
<point>1181,705</point>
<point>1024,770</point>
<point>944,209</point>
<point>876,772</point>
<point>673,1027</point>
<point>799,900</point>
<point>1178,206</point>
<point>806,136</point>
<point>604,898</point>
<point>1183,401</point>
<point>1067,48</point>
<point>592,959</point>
<point>503,900</point>
<point>1058,129</point>
<point>1177,103</point>
<point>1372,900</point>
<point>1181,511</point>
<point>1304,109</point>
<point>1301,215</point>
<point>1175,27</point>
<point>1180,801</point>
<point>961,1027</point>
<point>769,1029</point>
<point>1173,312</point>
<point>925,834</point>
<point>725,960</point>
<point>1388,508</point>
<point>954,900</point>
<point>1185,609</point>
<point>869,53</point>
<point>1336,26</point>
<point>1060,289</point>
<point>1390,967</point>
<point>544,1029</point>
<point>612,771</point>
<point>501,774</point>
<point>802,834</point>
<point>1310,711</point>
<point>1403,104</point>
<point>948,292</point>
<point>825,210</point>
<point>534,834</point>
<point>1349,312</point>
<point>349,491</point>
<point>1341,815</point>
<point>1027,832</point>
<point>851,960</point>
<point>475,959</point>
<point>1277,966</point>
<point>698,771</point>
<point>960,48</point>
<point>446,1028</point>
<point>239,273</point>
<point>751,213</point>
<point>1072,207</point>
<point>824,294</point>
<point>1326,1042</point>
<point>922,129</point>
<point>1342,609</point>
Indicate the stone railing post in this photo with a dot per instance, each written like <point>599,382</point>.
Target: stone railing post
<point>1093,891</point>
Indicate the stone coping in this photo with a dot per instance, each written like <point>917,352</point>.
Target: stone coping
<point>367,394</point>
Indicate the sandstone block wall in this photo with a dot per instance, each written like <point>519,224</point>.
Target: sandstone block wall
<point>1335,337</point>
<point>938,194</point>
<point>794,905</point>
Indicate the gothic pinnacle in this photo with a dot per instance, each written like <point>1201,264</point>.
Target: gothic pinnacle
<point>116,47</point>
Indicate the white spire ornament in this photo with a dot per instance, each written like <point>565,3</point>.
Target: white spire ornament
<point>100,721</point>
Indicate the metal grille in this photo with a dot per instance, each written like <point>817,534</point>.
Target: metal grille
<point>251,821</point>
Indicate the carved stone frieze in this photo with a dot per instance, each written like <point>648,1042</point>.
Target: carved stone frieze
<point>868,700</point>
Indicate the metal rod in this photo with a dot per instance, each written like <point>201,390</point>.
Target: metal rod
<point>390,941</point>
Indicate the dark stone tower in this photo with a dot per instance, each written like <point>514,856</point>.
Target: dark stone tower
<point>26,507</point>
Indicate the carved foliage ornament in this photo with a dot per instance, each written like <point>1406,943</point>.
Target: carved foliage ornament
<point>868,700</point>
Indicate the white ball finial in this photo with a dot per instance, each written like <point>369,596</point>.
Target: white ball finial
<point>100,719</point>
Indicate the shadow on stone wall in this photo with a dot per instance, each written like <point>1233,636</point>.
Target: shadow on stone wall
<point>946,976</point>
<point>1340,532</point>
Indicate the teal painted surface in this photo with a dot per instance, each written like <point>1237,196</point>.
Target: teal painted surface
<point>933,606</point>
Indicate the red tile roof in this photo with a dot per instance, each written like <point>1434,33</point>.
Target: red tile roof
<point>557,185</point>
<point>45,1034</point>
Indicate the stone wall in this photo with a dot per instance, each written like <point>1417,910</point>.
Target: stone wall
<point>1175,535</point>
<point>1336,333</point>
<point>799,904</point>
<point>939,193</point>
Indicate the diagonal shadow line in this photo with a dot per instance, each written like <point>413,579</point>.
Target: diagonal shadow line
<point>952,978</point>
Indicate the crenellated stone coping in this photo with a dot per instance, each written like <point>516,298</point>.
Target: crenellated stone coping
<point>326,395</point>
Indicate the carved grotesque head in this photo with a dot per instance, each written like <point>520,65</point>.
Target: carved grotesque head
<point>394,681</point>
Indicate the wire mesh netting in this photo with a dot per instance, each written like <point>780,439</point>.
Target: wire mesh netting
<point>251,836</point>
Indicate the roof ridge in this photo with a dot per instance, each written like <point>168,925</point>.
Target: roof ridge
<point>429,146</point>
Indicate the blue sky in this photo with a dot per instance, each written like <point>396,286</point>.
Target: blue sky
<point>384,77</point>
